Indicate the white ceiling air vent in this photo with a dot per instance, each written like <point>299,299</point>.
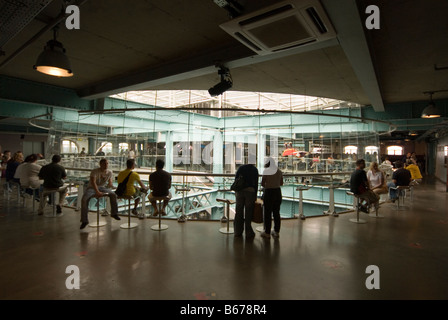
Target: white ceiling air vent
<point>283,26</point>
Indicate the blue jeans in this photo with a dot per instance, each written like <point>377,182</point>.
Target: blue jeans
<point>89,194</point>
<point>244,210</point>
<point>393,193</point>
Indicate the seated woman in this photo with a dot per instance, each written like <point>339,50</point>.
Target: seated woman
<point>11,167</point>
<point>29,175</point>
<point>377,179</point>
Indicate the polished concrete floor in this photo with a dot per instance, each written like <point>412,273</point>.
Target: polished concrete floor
<point>318,258</point>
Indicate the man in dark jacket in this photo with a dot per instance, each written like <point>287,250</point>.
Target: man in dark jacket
<point>245,200</point>
<point>400,177</point>
<point>359,185</point>
<point>53,175</point>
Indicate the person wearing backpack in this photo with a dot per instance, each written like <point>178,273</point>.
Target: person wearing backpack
<point>132,177</point>
<point>100,184</point>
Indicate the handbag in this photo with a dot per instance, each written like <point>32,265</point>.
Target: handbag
<point>239,184</point>
<point>121,188</point>
<point>257,217</point>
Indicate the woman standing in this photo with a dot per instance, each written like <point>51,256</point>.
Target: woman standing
<point>377,180</point>
<point>271,181</point>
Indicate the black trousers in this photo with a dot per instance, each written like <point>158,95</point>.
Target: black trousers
<point>271,201</point>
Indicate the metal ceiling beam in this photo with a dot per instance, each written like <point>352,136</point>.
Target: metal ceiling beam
<point>345,17</point>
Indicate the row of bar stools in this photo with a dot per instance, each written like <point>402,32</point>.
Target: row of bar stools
<point>159,203</point>
<point>228,202</point>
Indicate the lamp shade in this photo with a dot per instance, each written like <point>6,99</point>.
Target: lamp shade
<point>431,111</point>
<point>53,61</point>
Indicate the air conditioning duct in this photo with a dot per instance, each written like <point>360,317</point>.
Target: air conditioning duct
<point>283,26</point>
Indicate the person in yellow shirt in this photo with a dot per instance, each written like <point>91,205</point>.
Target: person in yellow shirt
<point>415,171</point>
<point>134,177</point>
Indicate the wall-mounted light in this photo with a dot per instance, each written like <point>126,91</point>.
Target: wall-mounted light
<point>225,84</point>
<point>52,60</point>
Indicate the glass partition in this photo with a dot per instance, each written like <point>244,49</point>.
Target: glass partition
<point>203,151</point>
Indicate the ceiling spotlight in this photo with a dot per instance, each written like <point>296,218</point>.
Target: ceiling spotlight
<point>431,110</point>
<point>225,84</point>
<point>52,60</point>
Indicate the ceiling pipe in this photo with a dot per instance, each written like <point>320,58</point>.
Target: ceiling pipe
<point>48,27</point>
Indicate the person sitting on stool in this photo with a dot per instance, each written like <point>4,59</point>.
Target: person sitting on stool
<point>53,174</point>
<point>400,177</point>
<point>131,191</point>
<point>359,185</point>
<point>160,184</point>
<point>100,184</point>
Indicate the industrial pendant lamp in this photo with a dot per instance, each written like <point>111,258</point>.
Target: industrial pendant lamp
<point>431,110</point>
<point>52,60</point>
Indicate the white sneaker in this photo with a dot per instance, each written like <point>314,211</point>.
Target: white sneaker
<point>275,234</point>
<point>265,235</point>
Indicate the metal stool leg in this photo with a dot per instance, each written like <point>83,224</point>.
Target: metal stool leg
<point>159,226</point>
<point>357,220</point>
<point>53,202</point>
<point>129,225</point>
<point>227,229</point>
<point>98,224</point>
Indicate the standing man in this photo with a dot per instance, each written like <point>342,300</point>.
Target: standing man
<point>53,174</point>
<point>359,185</point>
<point>245,200</point>
<point>131,191</point>
<point>160,184</point>
<point>100,184</point>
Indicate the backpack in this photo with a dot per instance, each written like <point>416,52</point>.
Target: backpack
<point>121,188</point>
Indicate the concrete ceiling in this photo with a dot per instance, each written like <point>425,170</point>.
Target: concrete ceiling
<point>158,44</point>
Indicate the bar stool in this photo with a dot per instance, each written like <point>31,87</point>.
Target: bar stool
<point>159,203</point>
<point>129,225</point>
<point>228,202</point>
<point>401,190</point>
<point>183,216</point>
<point>356,198</point>
<point>52,193</point>
<point>34,195</point>
<point>11,184</point>
<point>98,224</point>
<point>301,189</point>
